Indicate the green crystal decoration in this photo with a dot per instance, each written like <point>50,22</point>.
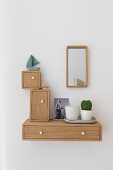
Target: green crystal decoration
<point>32,64</point>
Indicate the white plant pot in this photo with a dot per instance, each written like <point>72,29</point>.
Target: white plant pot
<point>86,114</point>
<point>71,112</point>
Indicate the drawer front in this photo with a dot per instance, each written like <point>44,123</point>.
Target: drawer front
<point>39,106</point>
<point>61,133</point>
<point>31,80</point>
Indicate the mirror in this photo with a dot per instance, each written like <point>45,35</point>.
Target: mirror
<point>76,66</point>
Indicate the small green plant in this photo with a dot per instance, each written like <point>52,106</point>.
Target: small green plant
<point>86,105</point>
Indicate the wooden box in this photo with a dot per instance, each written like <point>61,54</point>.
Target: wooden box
<point>39,105</point>
<point>59,130</point>
<point>31,79</point>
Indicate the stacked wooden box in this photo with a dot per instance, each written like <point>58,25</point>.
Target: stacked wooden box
<point>39,98</point>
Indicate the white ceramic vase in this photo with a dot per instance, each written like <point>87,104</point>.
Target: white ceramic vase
<point>86,114</point>
<point>71,112</point>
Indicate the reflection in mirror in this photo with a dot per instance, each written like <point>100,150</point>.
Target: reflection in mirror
<point>77,66</point>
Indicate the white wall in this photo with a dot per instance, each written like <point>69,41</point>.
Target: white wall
<point>0,146</point>
<point>1,155</point>
<point>44,29</point>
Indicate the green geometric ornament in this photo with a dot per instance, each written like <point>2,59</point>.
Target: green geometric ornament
<point>32,64</point>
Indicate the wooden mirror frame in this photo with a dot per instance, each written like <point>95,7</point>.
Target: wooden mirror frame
<point>77,47</point>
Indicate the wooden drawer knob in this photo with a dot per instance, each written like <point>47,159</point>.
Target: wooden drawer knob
<point>41,101</point>
<point>82,133</point>
<point>41,133</point>
<point>32,77</point>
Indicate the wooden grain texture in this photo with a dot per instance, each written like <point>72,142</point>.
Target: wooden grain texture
<point>39,111</point>
<point>28,82</point>
<point>59,130</point>
<point>67,61</point>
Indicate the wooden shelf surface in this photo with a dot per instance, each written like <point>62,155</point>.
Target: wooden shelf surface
<point>60,130</point>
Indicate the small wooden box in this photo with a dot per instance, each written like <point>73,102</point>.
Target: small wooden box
<point>31,79</point>
<point>39,105</point>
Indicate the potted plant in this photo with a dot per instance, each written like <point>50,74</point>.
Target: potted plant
<point>86,112</point>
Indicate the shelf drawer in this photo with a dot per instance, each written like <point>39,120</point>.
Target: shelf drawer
<point>31,79</point>
<point>61,132</point>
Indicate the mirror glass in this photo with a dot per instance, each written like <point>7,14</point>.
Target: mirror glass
<point>77,66</point>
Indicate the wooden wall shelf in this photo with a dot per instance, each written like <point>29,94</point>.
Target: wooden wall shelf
<point>59,130</point>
